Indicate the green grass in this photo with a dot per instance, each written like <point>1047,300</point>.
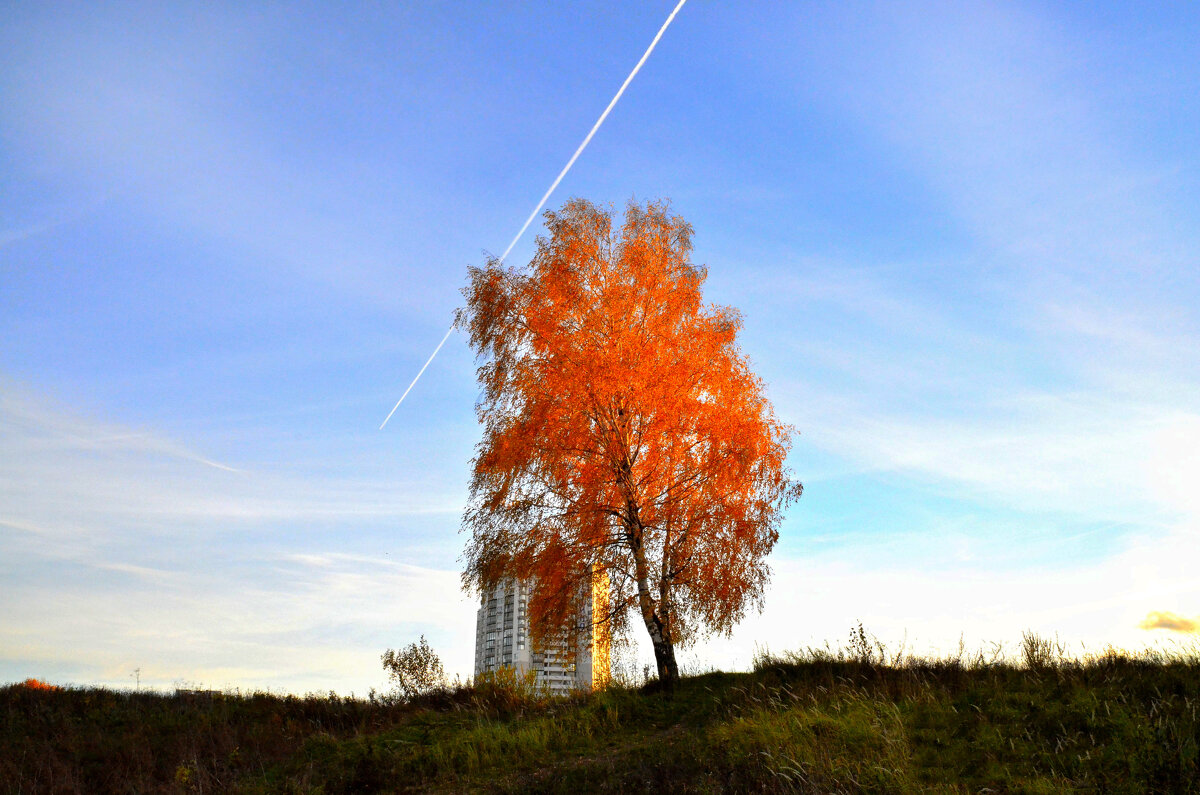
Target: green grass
<point>816,721</point>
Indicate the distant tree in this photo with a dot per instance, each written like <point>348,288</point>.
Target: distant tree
<point>37,684</point>
<point>624,434</point>
<point>415,669</point>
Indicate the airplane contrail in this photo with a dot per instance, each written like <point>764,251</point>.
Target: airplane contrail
<point>595,127</point>
<point>554,184</point>
<point>414,381</point>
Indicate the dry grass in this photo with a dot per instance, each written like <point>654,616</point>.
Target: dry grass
<point>857,719</point>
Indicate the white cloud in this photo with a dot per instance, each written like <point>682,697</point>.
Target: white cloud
<point>122,548</point>
<point>288,626</point>
<point>1076,452</point>
<point>1167,620</point>
<point>316,617</point>
<point>1052,370</point>
<point>64,477</point>
<point>1150,468</point>
<point>1088,606</point>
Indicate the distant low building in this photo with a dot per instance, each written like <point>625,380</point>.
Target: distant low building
<point>502,639</point>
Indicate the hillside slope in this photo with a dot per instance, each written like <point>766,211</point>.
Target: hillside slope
<point>810,723</point>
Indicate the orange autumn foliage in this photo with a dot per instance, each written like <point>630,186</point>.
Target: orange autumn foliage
<point>37,684</point>
<point>624,433</point>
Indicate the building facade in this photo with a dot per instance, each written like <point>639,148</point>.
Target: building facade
<point>502,639</point>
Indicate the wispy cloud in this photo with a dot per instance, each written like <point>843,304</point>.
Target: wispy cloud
<point>1083,453</point>
<point>993,102</point>
<point>1162,619</point>
<point>280,623</point>
<point>118,554</point>
<point>72,477</point>
<point>1092,604</point>
<point>30,425</point>
<point>153,132</point>
<point>1027,353</point>
<point>1042,360</point>
<point>10,236</point>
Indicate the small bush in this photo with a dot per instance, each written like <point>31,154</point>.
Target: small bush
<point>1038,653</point>
<point>416,669</point>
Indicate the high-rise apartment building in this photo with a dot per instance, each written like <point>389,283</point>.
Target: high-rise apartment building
<point>502,639</point>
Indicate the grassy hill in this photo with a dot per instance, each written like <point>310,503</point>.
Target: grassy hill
<point>811,722</point>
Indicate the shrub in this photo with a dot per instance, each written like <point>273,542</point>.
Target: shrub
<point>416,669</point>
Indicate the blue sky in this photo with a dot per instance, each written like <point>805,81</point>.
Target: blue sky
<point>963,236</point>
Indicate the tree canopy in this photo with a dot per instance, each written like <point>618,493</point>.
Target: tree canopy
<point>416,669</point>
<point>624,433</point>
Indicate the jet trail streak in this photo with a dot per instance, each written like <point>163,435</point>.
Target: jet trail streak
<point>554,185</point>
<point>592,132</point>
<point>414,381</point>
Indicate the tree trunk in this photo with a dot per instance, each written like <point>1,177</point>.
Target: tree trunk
<point>664,647</point>
<point>668,671</point>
